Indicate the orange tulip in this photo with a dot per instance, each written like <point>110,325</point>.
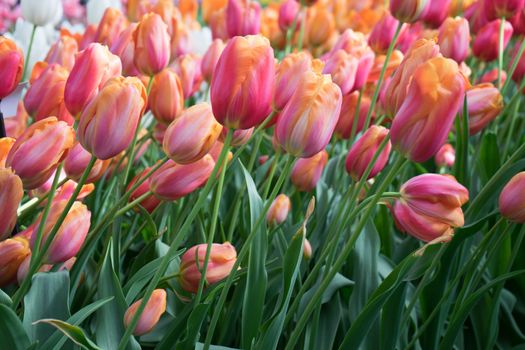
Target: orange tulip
<point>13,251</point>
<point>155,307</point>
<point>63,52</point>
<point>166,97</point>
<point>306,172</point>
<point>11,193</point>
<point>210,59</point>
<point>5,146</point>
<point>279,209</point>
<point>152,44</point>
<point>11,66</point>
<point>112,23</point>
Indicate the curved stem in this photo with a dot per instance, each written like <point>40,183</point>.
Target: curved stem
<point>28,56</point>
<point>500,50</point>
<point>35,202</point>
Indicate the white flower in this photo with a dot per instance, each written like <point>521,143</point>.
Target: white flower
<point>199,40</point>
<point>42,12</point>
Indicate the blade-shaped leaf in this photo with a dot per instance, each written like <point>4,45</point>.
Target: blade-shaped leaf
<point>75,333</point>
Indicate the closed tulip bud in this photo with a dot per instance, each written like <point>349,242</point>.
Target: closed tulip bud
<point>149,318</point>
<point>423,121</point>
<point>191,136</point>
<point>446,156</point>
<point>279,210</point>
<point>288,13</point>
<point>306,124</point>
<point>492,76</point>
<point>221,261</point>
<point>188,68</point>
<point>63,52</point>
<point>217,24</point>
<point>342,67</point>
<point>71,234</point>
<point>502,8</point>
<point>242,87</point>
<point>408,36</point>
<point>511,200</point>
<point>421,51</point>
<point>486,43</point>
<point>41,13</point>
<point>45,96</point>
<point>430,206</point>
<point>150,203</point>
<point>306,172</point>
<point>307,249</point>
<point>152,44</point>
<point>436,12</point>
<point>408,11</point>
<point>5,146</point>
<point>11,193</point>
<point>518,22</point>
<point>484,104</point>
<point>94,66</point>
<point>383,33</point>
<point>77,161</point>
<point>476,16</point>
<point>112,23</point>
<point>364,149</point>
<point>166,97</point>
<point>243,17</point>
<point>454,38</point>
<point>173,181</point>
<point>395,60</point>
<point>320,25</point>
<point>37,152</point>
<point>290,73</point>
<point>123,47</point>
<point>270,26</point>
<point>239,137</point>
<point>13,251</point>
<point>210,59</point>
<point>344,126</point>
<point>118,106</point>
<point>11,66</point>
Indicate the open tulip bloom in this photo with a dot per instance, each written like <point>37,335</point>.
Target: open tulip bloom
<point>244,174</point>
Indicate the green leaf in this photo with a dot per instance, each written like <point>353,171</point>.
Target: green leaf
<point>76,334</point>
<point>5,299</point>
<point>193,327</point>
<point>489,156</point>
<point>257,278</point>
<point>339,281</point>
<point>146,234</point>
<point>12,333</point>
<point>47,298</point>
<point>200,346</point>
<point>391,318</point>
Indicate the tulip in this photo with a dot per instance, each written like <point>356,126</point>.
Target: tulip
<point>519,73</point>
<point>430,206</point>
<point>364,149</point>
<point>11,193</point>
<point>306,172</point>
<point>45,96</point>
<point>218,25</point>
<point>395,61</point>
<point>23,269</point>
<point>152,44</point>
<point>94,66</point>
<point>220,263</point>
<point>270,27</point>
<point>492,76</point>
<point>149,318</point>
<point>320,25</point>
<point>279,210</point>
<point>5,146</point>
<point>408,11</point>
<point>511,200</point>
<point>37,152</point>
<point>166,97</point>
<point>210,59</point>
<point>118,106</point>
<point>288,13</point>
<point>423,121</point>
<point>11,66</point>
<point>484,104</point>
<point>191,136</point>
<point>242,87</point>
<point>486,43</point>
<point>344,126</point>
<point>71,234</point>
<point>454,38</point>
<point>150,203</point>
<point>446,156</point>
<point>65,192</point>
<point>77,161</point>
<point>502,8</point>
<point>518,22</point>
<point>173,181</point>
<point>421,51</point>
<point>342,67</point>
<point>383,33</point>
<point>476,16</point>
<point>239,137</point>
<point>41,13</point>
<point>16,125</point>
<point>289,75</point>
<point>307,249</point>
<point>112,23</point>
<point>123,47</point>
<point>243,17</point>
<point>188,68</point>
<point>63,52</point>
<point>436,12</point>
<point>13,251</point>
<point>306,124</point>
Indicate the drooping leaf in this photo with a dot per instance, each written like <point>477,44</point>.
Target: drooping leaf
<point>75,333</point>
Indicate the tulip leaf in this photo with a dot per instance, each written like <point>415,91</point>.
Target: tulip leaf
<point>257,277</point>
<point>12,333</point>
<point>193,327</point>
<point>5,299</point>
<point>489,156</point>
<point>75,333</point>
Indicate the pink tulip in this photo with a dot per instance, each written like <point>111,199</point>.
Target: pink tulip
<point>210,59</point>
<point>435,12</point>
<point>408,11</point>
<point>150,203</point>
<point>63,52</point>
<point>511,200</point>
<point>344,126</point>
<point>77,161</point>
<point>11,66</point>
<point>149,318</point>
<point>486,43</point>
<point>243,17</point>
<point>151,44</point>
<point>11,193</point>
<point>279,209</point>
<point>342,67</point>
<point>502,8</point>
<point>188,68</point>
<point>306,172</point>
<point>124,48</point>
<point>383,33</point>
<point>446,156</point>
<point>364,149</point>
<point>484,104</point>
<point>288,13</point>
<point>454,38</point>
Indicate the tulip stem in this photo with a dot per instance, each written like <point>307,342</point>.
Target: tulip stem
<point>513,67</point>
<point>500,50</point>
<point>131,205</point>
<point>35,202</point>
<point>268,181</point>
<point>17,297</point>
<point>244,250</point>
<point>214,217</point>
<point>382,76</point>
<point>174,246</point>
<point>28,56</point>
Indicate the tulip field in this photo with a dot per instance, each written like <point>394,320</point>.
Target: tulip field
<point>275,174</point>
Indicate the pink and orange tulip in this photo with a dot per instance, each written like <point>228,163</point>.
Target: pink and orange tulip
<point>486,44</point>
<point>454,38</point>
<point>306,172</point>
<point>279,210</point>
<point>13,251</point>
<point>149,318</point>
<point>243,17</point>
<point>446,156</point>
<point>11,66</point>
<point>151,44</point>
<point>210,59</point>
<point>511,200</point>
<point>77,160</point>
<point>342,67</point>
<point>363,150</point>
<point>11,193</point>
<point>484,104</point>
<point>166,97</point>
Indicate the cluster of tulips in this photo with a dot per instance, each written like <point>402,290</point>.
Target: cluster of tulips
<point>223,147</point>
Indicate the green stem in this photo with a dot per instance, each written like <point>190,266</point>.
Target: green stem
<point>268,180</point>
<point>500,50</point>
<point>355,122</point>
<point>510,130</point>
<point>28,56</point>
<point>289,34</point>
<point>257,131</point>
<point>35,202</point>
<point>513,67</point>
<point>132,204</point>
